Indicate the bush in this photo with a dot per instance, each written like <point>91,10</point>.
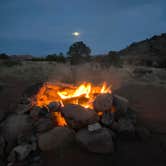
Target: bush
<point>4,56</point>
<point>114,59</point>
<point>10,63</point>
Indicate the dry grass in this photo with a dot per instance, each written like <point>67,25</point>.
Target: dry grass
<point>32,72</point>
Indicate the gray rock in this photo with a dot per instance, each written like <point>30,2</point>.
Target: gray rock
<point>43,125</point>
<point>103,102</point>
<point>99,141</point>
<point>54,106</point>
<point>120,103</point>
<point>125,125</point>
<point>78,116</point>
<point>19,153</point>
<point>57,138</point>
<point>94,127</point>
<point>35,112</point>
<point>15,125</point>
<point>107,119</point>
<point>23,108</point>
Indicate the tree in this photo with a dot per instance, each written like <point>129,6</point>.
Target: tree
<point>78,53</point>
<point>4,56</point>
<point>114,59</point>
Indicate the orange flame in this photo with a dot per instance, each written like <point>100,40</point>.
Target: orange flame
<point>83,95</point>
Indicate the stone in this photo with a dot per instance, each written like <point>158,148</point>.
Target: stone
<point>54,106</point>
<point>43,125</point>
<point>58,137</point>
<point>94,127</point>
<point>125,125</point>
<point>19,153</point>
<point>15,125</point>
<point>77,116</point>
<point>107,119</point>
<point>23,108</point>
<point>120,103</point>
<point>103,102</point>
<point>35,112</point>
<point>99,141</point>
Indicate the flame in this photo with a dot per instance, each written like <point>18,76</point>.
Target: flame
<point>83,94</point>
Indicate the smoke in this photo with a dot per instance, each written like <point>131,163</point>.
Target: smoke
<point>89,72</point>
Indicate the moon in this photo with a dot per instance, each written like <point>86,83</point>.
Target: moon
<point>76,34</point>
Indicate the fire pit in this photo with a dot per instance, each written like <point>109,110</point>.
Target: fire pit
<point>59,115</point>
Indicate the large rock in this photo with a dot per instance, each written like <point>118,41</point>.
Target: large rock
<point>56,138</point>
<point>43,125</point>
<point>20,152</point>
<point>120,103</point>
<point>15,125</point>
<point>78,116</point>
<point>99,141</point>
<point>107,118</point>
<point>103,102</point>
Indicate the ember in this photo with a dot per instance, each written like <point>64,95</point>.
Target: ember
<point>83,94</point>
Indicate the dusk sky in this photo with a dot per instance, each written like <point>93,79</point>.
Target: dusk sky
<point>41,27</point>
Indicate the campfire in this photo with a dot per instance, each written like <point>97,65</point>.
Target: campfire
<point>84,95</point>
<point>59,114</point>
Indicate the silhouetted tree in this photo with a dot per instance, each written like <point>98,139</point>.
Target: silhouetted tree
<point>4,56</point>
<point>79,52</point>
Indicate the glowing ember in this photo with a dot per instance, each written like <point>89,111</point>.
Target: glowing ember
<point>83,94</point>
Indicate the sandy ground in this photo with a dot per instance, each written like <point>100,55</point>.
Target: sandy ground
<point>149,101</point>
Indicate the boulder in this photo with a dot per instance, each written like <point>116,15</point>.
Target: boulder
<point>43,125</point>
<point>99,141</point>
<point>54,106</point>
<point>120,103</point>
<point>103,102</point>
<point>77,116</point>
<point>35,112</point>
<point>107,118</point>
<point>58,137</point>
<point>94,127</point>
<point>125,125</point>
<point>20,153</point>
<point>15,125</point>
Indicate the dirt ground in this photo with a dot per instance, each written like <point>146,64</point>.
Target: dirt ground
<point>147,99</point>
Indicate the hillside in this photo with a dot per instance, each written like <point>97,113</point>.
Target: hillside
<point>149,52</point>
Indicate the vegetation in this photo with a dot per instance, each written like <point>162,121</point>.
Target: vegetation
<point>58,58</point>
<point>114,59</point>
<point>4,56</point>
<point>78,53</point>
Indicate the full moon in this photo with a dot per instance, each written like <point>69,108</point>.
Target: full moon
<point>76,34</point>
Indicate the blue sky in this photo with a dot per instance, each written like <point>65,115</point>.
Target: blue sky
<point>41,27</point>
